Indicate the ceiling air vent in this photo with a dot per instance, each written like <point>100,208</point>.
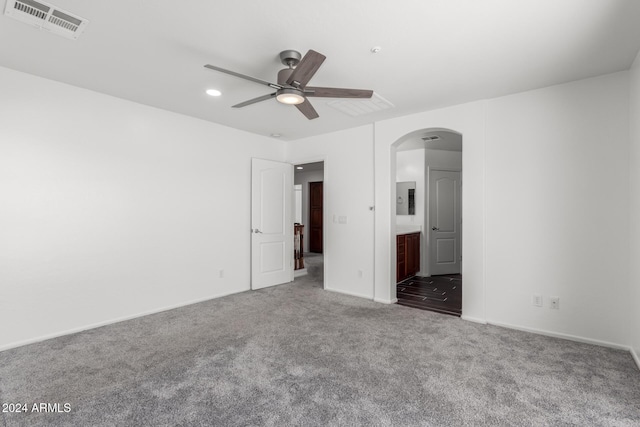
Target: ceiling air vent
<point>46,16</point>
<point>429,138</point>
<point>358,107</point>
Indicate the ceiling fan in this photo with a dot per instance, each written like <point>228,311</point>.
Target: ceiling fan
<point>292,86</point>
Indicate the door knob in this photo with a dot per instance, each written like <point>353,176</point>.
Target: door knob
<point>435,228</point>
<point>255,230</point>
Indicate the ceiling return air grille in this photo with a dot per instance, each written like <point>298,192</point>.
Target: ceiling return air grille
<point>430,138</point>
<point>47,17</point>
<point>359,107</point>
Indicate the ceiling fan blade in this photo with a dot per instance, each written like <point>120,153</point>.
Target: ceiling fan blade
<point>306,68</point>
<point>334,92</point>
<point>242,76</point>
<point>254,100</point>
<point>307,109</point>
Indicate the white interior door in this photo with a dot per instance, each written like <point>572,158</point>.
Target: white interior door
<point>271,223</point>
<point>445,222</point>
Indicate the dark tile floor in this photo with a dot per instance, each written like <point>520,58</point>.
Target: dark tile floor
<point>436,293</point>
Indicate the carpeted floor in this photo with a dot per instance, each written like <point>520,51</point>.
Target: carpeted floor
<point>297,355</point>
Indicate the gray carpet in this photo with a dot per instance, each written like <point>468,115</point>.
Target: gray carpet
<point>298,355</point>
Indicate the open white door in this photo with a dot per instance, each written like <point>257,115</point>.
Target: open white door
<point>445,218</point>
<point>271,223</point>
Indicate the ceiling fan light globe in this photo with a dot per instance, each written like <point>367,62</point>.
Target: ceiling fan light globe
<point>290,96</point>
<point>291,99</point>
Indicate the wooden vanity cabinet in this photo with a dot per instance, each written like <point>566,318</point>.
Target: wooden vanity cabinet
<point>408,255</point>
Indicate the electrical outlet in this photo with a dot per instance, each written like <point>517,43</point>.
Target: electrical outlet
<point>221,274</point>
<point>554,303</point>
<point>536,300</point>
<point>360,274</point>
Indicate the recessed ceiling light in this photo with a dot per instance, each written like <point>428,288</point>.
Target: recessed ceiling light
<point>376,49</point>
<point>299,167</point>
<point>213,92</point>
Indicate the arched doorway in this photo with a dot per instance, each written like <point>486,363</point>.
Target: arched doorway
<point>468,120</point>
<point>428,216</point>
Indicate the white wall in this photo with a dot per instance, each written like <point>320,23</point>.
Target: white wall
<point>443,159</point>
<point>544,173</point>
<point>348,192</point>
<point>557,186</point>
<point>304,178</point>
<point>634,211</point>
<point>111,209</point>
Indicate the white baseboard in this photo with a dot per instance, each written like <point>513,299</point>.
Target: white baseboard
<point>473,319</point>
<point>386,301</point>
<point>300,272</point>
<point>353,294</point>
<point>561,335</point>
<point>635,357</point>
<point>112,321</point>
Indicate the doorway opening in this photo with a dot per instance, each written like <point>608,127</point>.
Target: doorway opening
<point>428,212</point>
<point>309,223</point>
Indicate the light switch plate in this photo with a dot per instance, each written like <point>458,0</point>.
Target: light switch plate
<point>536,300</point>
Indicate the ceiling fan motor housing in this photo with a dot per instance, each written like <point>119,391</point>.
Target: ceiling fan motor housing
<point>290,57</point>
<point>283,75</point>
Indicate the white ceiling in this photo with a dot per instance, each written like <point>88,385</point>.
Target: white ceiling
<point>434,52</point>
